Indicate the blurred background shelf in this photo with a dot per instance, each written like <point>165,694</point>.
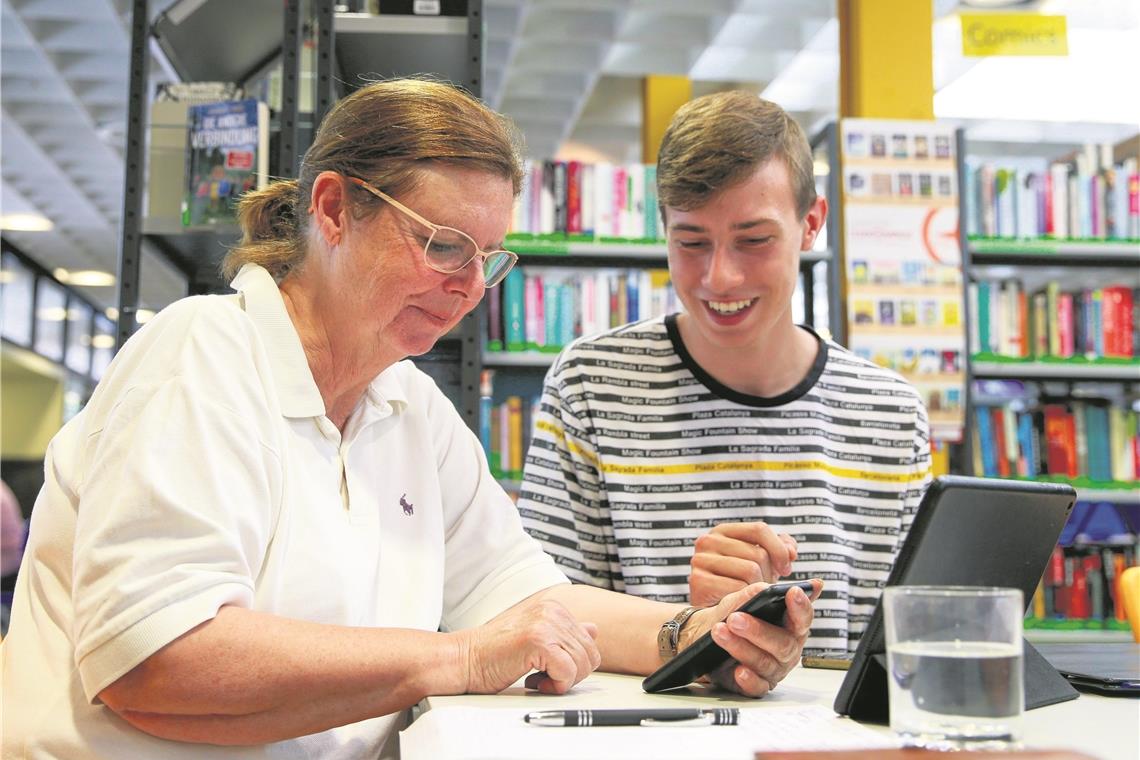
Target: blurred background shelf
<point>1074,369</point>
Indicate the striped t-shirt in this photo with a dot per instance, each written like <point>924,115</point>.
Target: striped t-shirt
<point>637,451</point>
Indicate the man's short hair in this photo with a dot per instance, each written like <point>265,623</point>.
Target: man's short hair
<point>717,140</point>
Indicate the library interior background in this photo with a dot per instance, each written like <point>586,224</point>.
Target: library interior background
<point>980,160</point>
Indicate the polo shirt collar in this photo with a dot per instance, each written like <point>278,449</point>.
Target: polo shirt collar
<point>386,391</point>
<point>292,376</point>
<point>296,389</point>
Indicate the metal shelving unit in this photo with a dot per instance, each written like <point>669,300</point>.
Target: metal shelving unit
<point>1041,370</point>
<point>220,40</point>
<point>1045,252</point>
<point>502,359</point>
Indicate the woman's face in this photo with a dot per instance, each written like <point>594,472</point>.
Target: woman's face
<point>390,294</point>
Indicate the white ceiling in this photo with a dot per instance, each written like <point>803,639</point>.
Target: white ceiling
<point>568,71</point>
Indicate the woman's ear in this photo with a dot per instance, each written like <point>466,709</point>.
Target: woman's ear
<point>329,207</point>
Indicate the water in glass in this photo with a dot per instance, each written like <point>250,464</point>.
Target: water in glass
<point>956,694</point>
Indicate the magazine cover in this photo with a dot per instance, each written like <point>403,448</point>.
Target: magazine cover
<point>227,153</point>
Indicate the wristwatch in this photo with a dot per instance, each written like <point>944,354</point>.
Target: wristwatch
<point>671,631</point>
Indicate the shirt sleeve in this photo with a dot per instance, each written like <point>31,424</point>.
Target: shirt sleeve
<point>175,509</point>
<point>563,502</point>
<point>920,472</point>
<point>490,563</point>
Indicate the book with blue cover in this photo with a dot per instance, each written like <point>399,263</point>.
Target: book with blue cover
<point>227,154</point>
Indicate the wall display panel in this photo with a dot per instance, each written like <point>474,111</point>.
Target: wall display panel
<point>17,288</point>
<point>51,318</point>
<point>78,354</point>
<point>103,346</point>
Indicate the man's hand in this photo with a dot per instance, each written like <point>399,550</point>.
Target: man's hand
<point>763,653</point>
<point>733,555</point>
<point>535,634</point>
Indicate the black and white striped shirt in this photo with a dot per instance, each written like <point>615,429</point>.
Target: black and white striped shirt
<point>637,451</point>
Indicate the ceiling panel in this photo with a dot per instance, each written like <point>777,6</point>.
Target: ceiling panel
<point>568,71</point>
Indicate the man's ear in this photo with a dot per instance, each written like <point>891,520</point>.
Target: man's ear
<point>813,222</point>
<point>329,206</point>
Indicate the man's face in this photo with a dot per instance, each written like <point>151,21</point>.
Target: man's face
<point>735,261</point>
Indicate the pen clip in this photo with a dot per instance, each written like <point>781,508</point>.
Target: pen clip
<point>704,720</point>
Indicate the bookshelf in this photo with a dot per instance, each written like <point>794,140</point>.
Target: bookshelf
<point>1053,367</point>
<point>245,43</point>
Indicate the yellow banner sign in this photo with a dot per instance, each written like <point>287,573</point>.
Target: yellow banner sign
<point>986,34</point>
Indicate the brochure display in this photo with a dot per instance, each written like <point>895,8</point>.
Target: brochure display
<point>903,265</point>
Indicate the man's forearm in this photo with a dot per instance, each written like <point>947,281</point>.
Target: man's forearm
<point>247,678</point>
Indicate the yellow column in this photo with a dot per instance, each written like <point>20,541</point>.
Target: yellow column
<point>885,54</point>
<point>661,96</point>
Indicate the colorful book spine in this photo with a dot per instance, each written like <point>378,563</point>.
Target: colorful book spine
<point>514,295</point>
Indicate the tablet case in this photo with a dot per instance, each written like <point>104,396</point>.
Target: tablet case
<point>1108,668</point>
<point>968,532</point>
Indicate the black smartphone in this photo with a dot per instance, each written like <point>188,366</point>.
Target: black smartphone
<point>704,655</point>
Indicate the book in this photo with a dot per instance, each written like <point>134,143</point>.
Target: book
<point>227,153</point>
<point>495,319</point>
<point>514,466</point>
<point>514,328</point>
<point>166,154</point>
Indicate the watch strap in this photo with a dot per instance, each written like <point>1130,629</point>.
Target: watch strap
<point>670,633</point>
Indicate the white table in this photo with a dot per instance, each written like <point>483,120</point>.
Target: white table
<point>1104,727</point>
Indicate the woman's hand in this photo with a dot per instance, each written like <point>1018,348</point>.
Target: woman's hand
<point>763,654</point>
<point>535,634</point>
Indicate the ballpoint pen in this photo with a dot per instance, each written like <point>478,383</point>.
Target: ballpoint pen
<point>717,716</point>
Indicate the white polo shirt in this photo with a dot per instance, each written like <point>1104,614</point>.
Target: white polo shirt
<point>203,472</point>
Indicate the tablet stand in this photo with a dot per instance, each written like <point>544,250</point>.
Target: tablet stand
<point>1043,686</point>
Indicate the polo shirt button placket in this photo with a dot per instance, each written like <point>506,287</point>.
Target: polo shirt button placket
<point>343,480</point>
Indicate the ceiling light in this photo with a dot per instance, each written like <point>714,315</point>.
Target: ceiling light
<point>142,316</point>
<point>112,313</point>
<point>25,222</point>
<point>103,341</point>
<point>52,314</point>
<point>91,278</point>
<point>995,3</point>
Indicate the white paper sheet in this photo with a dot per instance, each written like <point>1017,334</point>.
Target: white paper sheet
<point>478,733</point>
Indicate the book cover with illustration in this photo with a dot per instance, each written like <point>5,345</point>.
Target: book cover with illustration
<point>227,153</point>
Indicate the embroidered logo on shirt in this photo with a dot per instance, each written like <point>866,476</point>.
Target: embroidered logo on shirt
<point>408,507</point>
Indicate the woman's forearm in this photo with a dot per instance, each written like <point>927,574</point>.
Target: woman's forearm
<point>246,677</point>
<point>627,625</point>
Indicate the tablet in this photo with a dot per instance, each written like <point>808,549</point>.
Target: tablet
<point>968,532</point>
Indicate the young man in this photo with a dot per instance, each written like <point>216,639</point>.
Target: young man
<point>686,456</point>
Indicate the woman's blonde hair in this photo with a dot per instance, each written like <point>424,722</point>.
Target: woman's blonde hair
<point>717,140</point>
<point>383,133</point>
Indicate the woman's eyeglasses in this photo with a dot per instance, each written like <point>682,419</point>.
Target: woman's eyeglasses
<point>447,249</point>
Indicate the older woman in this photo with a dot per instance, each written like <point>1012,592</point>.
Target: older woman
<point>267,530</point>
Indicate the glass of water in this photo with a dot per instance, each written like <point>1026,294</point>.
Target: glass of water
<point>954,661</point>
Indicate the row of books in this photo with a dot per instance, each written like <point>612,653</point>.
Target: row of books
<point>545,308</point>
<point>1077,439</point>
<point>1084,584</point>
<point>1089,197</point>
<point>594,200</point>
<point>505,432</point>
<point>1093,322</point>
